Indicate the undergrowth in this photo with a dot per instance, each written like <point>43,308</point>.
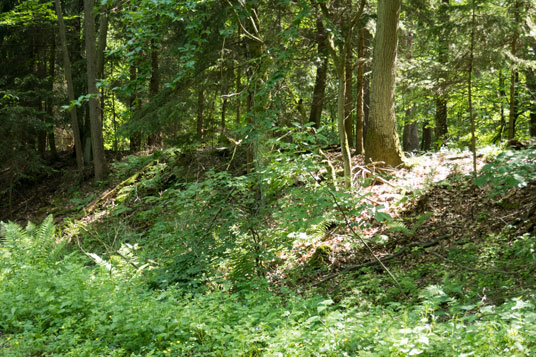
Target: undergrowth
<point>177,268</point>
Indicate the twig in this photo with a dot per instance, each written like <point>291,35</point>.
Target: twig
<point>361,238</point>
<point>384,259</point>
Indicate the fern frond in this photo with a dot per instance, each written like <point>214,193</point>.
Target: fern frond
<point>46,231</point>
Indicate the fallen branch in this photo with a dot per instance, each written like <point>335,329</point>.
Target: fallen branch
<point>110,193</point>
<point>402,251</point>
<point>343,212</point>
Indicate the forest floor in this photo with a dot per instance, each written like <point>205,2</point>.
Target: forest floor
<point>452,247</point>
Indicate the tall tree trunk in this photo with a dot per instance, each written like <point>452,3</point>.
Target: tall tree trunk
<point>223,86</point>
<point>360,106</point>
<point>513,76</point>
<point>343,139</point>
<point>349,103</point>
<point>410,134</point>
<point>321,75</point>
<point>382,143</point>
<point>155,138</point>
<point>238,82</point>
<point>97,142</point>
<point>100,58</point>
<point>501,94</point>
<point>530,74</point>
<point>426,135</point>
<point>469,88</point>
<point>441,119</point>
<point>366,84</point>
<point>135,138</point>
<point>441,126</point>
<point>49,102</point>
<point>200,111</point>
<point>79,150</point>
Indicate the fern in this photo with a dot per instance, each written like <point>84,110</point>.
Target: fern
<point>398,226</point>
<point>319,231</point>
<point>35,243</point>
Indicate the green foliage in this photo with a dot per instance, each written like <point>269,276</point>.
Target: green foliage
<point>509,169</point>
<point>86,311</point>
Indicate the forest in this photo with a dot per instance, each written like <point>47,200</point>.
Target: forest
<point>267,178</point>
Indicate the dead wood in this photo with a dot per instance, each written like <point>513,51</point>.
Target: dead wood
<point>397,254</point>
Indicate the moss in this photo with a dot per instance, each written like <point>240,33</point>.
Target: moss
<point>320,257</point>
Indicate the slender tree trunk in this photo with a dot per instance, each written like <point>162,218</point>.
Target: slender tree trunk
<point>349,102</point>
<point>49,103</point>
<point>366,85</point>
<point>135,138</point>
<point>512,116</point>
<point>441,119</point>
<point>317,104</point>
<point>343,139</point>
<point>100,58</point>
<point>114,117</point>
<point>530,74</point>
<point>513,76</point>
<point>382,143</point>
<point>360,106</point>
<point>501,94</point>
<point>469,88</point>
<point>70,88</point>
<point>155,138</point>
<point>223,84</point>
<point>238,83</point>
<point>99,160</point>
<point>200,111</point>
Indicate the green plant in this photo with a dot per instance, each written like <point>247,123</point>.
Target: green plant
<point>509,169</point>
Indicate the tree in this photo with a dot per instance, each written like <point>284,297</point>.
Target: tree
<point>338,50</point>
<point>70,87</point>
<point>360,105</point>
<point>382,143</point>
<point>317,102</point>
<point>97,141</point>
<point>441,124</point>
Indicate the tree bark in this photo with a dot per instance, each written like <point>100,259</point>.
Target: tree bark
<point>135,138</point>
<point>348,102</point>
<point>382,143</point>
<point>426,136</point>
<point>155,138</point>
<point>441,118</point>
<point>343,139</point>
<point>317,104</point>
<point>531,86</point>
<point>410,137</point>
<point>513,76</point>
<point>469,88</point>
<point>360,106</point>
<point>200,111</point>
<point>97,141</point>
<point>501,94</point>
<point>49,107</point>
<point>70,88</point>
